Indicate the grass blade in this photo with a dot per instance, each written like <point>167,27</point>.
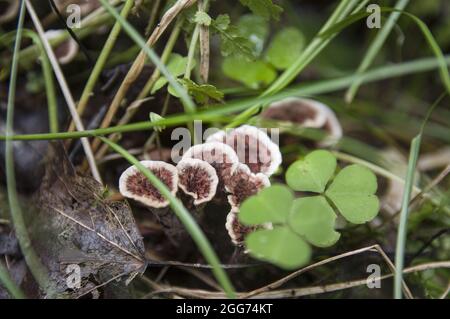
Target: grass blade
<point>38,271</point>
<point>403,223</point>
<point>9,284</point>
<point>375,47</point>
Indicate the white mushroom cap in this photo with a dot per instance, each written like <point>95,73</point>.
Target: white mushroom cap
<point>253,148</point>
<point>243,184</point>
<point>198,179</point>
<point>307,113</point>
<point>222,157</point>
<point>133,184</point>
<point>65,51</point>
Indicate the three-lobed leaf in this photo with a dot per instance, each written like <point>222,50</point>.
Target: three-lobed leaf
<point>312,173</point>
<point>353,193</point>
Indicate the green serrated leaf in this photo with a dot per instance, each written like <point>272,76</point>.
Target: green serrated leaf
<point>270,205</point>
<point>202,92</point>
<point>155,118</point>
<point>177,66</point>
<point>280,246</point>
<point>285,48</point>
<point>313,218</point>
<point>201,17</point>
<point>264,8</point>
<point>232,42</point>
<point>253,74</point>
<point>312,173</point>
<point>353,193</point>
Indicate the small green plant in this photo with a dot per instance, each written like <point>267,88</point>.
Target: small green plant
<point>299,222</point>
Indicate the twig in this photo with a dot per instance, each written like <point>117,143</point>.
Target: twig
<point>295,292</point>
<point>65,89</point>
<point>289,277</point>
<point>446,292</point>
<point>204,46</point>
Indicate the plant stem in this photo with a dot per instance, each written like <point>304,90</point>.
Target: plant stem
<point>214,112</point>
<point>101,61</point>
<point>38,270</point>
<point>185,217</point>
<point>9,284</point>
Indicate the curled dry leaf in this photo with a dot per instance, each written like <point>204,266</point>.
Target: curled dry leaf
<point>133,184</point>
<point>253,148</point>
<point>197,179</point>
<point>306,113</point>
<point>74,227</point>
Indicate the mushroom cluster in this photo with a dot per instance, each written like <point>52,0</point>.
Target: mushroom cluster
<point>231,165</point>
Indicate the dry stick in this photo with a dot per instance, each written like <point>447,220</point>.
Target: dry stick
<point>283,280</point>
<point>129,113</point>
<point>294,292</point>
<point>138,64</point>
<point>446,292</point>
<point>65,89</point>
<point>101,61</point>
<point>204,47</point>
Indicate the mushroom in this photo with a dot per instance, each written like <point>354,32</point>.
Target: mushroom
<point>236,230</point>
<point>65,51</point>
<point>243,184</point>
<point>307,113</point>
<point>133,184</point>
<point>197,179</point>
<point>218,155</point>
<point>253,148</point>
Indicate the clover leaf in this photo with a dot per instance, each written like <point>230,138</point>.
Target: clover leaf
<point>353,193</point>
<point>280,246</point>
<point>271,205</point>
<point>313,218</point>
<point>285,48</point>
<point>296,223</point>
<point>312,173</point>
<point>286,245</point>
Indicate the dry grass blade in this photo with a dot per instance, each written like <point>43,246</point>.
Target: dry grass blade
<point>291,276</point>
<point>65,89</point>
<point>290,293</point>
<point>138,64</point>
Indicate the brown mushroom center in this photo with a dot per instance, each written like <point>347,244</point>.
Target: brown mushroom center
<point>295,111</point>
<point>196,180</point>
<point>139,184</point>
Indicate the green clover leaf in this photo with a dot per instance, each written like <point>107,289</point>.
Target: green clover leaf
<point>313,218</point>
<point>271,205</point>
<point>312,173</point>
<point>353,193</point>
<point>285,48</point>
<point>280,246</point>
